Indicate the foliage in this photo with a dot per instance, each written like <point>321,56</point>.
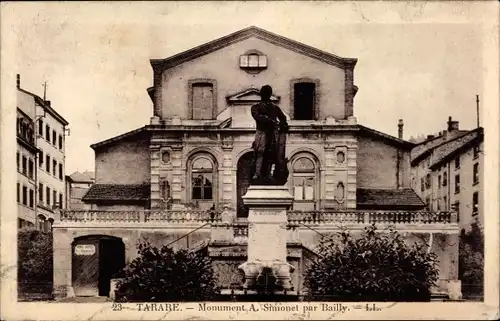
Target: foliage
<point>35,262</point>
<point>162,274</point>
<point>377,266</point>
<point>471,261</point>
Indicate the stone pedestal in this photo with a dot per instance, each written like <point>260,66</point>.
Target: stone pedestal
<point>267,234</point>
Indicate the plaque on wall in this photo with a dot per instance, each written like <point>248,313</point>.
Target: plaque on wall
<point>85,249</point>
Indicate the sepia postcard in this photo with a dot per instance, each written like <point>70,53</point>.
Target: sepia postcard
<point>248,160</point>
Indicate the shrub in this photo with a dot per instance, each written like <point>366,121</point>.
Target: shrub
<point>35,263</point>
<point>161,274</point>
<point>471,259</point>
<point>377,266</point>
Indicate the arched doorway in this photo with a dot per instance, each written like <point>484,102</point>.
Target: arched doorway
<point>243,177</point>
<point>95,259</point>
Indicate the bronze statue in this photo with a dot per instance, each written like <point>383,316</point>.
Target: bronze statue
<point>270,142</point>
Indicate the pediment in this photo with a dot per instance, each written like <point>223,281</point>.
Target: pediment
<point>248,96</point>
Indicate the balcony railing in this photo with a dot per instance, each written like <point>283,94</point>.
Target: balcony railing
<point>164,216</point>
<point>371,217</point>
<point>294,217</point>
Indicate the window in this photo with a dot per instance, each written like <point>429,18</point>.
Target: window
<point>54,197</point>
<point>47,133</point>
<point>202,100</point>
<point>422,184</point>
<point>165,157</point>
<point>60,142</point>
<point>40,127</point>
<point>475,151</point>
<point>427,181</point>
<point>475,203</point>
<point>18,192</point>
<point>47,163</point>
<point>54,138</point>
<point>445,178</point>
<point>304,181</point>
<point>18,160</point>
<point>457,162</point>
<point>60,171</point>
<point>41,223</point>
<point>25,195</point>
<point>40,192</point>
<point>438,204</point>
<point>54,167</point>
<point>253,60</point>
<point>476,173</point>
<point>428,203</point>
<point>47,195</point>
<point>32,198</point>
<point>60,200</point>
<point>25,161</point>
<point>31,165</point>
<point>202,179</point>
<point>457,183</point>
<point>304,96</point>
<point>40,159</point>
<point>439,181</point>
<point>445,201</point>
<point>456,208</point>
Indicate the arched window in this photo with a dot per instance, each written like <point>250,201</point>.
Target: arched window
<point>202,178</point>
<point>304,179</point>
<point>41,223</point>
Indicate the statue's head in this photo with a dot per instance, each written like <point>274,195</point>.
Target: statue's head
<point>266,92</point>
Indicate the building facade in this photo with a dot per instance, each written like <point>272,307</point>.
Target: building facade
<point>77,185</point>
<point>46,167</point>
<point>447,172</point>
<point>174,178</point>
<point>26,158</point>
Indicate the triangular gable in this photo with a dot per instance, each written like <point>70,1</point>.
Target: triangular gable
<point>163,64</point>
<point>248,96</point>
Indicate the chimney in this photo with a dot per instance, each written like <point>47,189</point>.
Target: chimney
<point>18,81</point>
<point>400,129</point>
<point>452,124</point>
<point>430,136</point>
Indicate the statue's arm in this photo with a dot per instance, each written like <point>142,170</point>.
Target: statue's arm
<point>282,119</point>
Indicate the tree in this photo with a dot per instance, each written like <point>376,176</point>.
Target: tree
<point>377,266</point>
<point>471,259</point>
<point>162,274</point>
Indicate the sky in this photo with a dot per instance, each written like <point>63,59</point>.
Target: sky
<point>95,58</point>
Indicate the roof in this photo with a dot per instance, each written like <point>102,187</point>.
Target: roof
<point>373,132</point>
<point>119,137</point>
<point>403,197</point>
<point>162,64</point>
<point>424,148</point>
<point>45,106</point>
<point>85,177</point>
<point>117,192</point>
<point>450,148</point>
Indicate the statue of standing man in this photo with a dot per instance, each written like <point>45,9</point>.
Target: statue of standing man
<point>270,142</point>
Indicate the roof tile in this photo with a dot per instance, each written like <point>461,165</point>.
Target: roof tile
<point>115,192</point>
<point>388,197</point>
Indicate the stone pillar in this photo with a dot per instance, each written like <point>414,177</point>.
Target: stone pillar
<point>178,177</point>
<point>155,175</point>
<point>352,166</point>
<point>62,287</point>
<point>223,231</point>
<point>267,234</point>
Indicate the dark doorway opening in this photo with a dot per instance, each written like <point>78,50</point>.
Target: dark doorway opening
<point>95,261</point>
<point>303,101</point>
<point>243,178</point>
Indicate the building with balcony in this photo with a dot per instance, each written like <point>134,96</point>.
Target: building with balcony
<point>175,179</point>
<point>447,171</point>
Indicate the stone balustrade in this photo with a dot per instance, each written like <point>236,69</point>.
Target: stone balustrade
<point>371,217</point>
<point>163,216</point>
<point>321,218</point>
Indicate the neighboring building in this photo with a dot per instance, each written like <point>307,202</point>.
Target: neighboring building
<point>77,185</point>
<point>166,180</point>
<point>47,166</point>
<point>447,172</point>
<point>26,158</point>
